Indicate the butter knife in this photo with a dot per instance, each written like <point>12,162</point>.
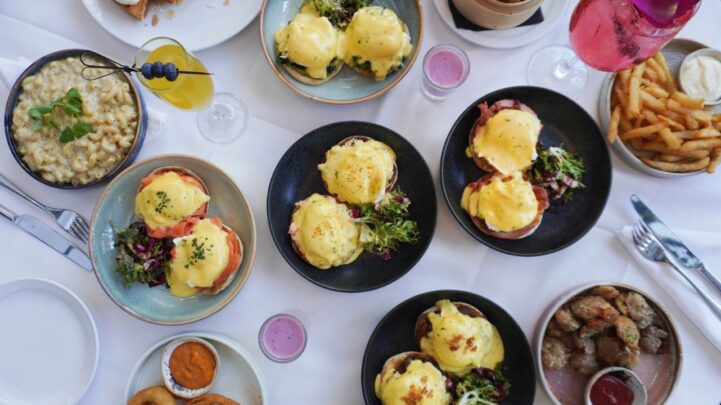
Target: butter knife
<point>671,242</point>
<point>49,237</point>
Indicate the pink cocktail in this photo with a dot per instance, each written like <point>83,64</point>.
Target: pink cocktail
<point>282,338</point>
<point>613,35</point>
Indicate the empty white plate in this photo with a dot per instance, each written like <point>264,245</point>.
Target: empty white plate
<point>238,375</point>
<point>197,24</point>
<point>552,10</point>
<point>48,344</point>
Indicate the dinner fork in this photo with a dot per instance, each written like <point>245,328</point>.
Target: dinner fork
<point>71,221</point>
<point>650,249</point>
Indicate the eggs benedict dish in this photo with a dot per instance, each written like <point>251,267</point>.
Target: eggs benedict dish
<point>170,201</point>
<point>359,170</point>
<point>204,261</point>
<point>505,207</point>
<point>376,42</point>
<point>323,232</point>
<point>504,137</point>
<point>459,337</point>
<point>411,378</point>
<point>308,48</point>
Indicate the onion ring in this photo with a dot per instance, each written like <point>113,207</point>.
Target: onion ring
<point>156,395</point>
<point>211,399</point>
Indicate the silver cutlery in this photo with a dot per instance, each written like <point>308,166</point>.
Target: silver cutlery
<point>671,242</point>
<point>71,221</point>
<point>49,237</point>
<point>650,249</point>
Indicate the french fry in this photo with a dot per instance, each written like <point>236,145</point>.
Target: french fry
<point>634,99</point>
<point>641,132</point>
<point>656,91</point>
<point>687,101</point>
<point>650,74</point>
<point>702,116</point>
<point>651,62</point>
<point>613,125</point>
<point>625,76</point>
<point>623,101</point>
<point>671,123</point>
<point>715,159</point>
<point>650,117</point>
<point>700,144</point>
<point>691,122</point>
<point>669,158</point>
<point>678,167</point>
<point>652,103</point>
<point>675,106</point>
<point>624,125</point>
<point>661,147</point>
<point>670,83</point>
<point>707,133</point>
<point>638,70</point>
<point>672,142</point>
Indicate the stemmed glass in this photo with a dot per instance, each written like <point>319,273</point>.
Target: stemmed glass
<point>221,117</point>
<point>609,35</point>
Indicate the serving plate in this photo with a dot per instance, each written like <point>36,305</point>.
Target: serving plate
<point>347,87</point>
<point>115,207</point>
<point>564,122</point>
<point>49,344</point>
<point>296,177</point>
<point>16,90</point>
<point>239,376</point>
<point>659,373</point>
<point>395,334</point>
<point>195,24</point>
<point>674,53</point>
<point>552,10</point>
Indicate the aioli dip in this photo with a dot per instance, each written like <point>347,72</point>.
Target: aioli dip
<point>700,77</point>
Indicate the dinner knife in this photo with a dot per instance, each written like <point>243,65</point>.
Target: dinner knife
<point>671,242</point>
<point>49,237</point>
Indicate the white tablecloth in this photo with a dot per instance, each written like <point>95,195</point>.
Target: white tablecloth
<point>329,370</point>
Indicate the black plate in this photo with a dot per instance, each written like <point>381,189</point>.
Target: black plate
<point>564,122</point>
<point>395,334</point>
<point>297,177</point>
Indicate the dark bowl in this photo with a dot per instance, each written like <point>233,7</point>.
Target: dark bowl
<point>296,177</point>
<point>564,122</point>
<point>17,90</point>
<point>395,334</point>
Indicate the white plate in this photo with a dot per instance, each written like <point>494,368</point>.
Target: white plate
<point>553,10</point>
<point>197,24</point>
<point>238,378</point>
<point>48,344</point>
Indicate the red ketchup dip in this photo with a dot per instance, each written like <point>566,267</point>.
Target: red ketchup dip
<point>445,68</point>
<point>282,338</point>
<point>611,390</point>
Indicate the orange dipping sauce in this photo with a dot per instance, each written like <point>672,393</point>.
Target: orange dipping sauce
<point>192,365</point>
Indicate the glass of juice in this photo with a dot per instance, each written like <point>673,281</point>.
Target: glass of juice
<point>445,68</point>
<point>282,338</point>
<point>221,117</point>
<point>608,35</point>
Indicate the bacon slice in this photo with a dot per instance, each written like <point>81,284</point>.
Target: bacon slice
<point>543,203</point>
<point>185,226</point>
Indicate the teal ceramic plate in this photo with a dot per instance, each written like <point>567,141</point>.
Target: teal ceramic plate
<point>347,87</point>
<point>116,206</point>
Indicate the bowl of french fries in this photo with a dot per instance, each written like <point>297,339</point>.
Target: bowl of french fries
<point>653,125</point>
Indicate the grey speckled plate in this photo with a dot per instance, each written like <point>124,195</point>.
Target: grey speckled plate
<point>674,53</point>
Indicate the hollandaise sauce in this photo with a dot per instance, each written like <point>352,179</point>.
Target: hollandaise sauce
<point>460,343</point>
<point>506,204</point>
<point>421,383</point>
<point>168,199</point>
<point>310,42</point>
<point>359,171</point>
<point>198,259</point>
<point>325,232</point>
<point>508,140</point>
<point>188,92</point>
<point>376,40</point>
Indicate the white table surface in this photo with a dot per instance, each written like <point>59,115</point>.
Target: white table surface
<point>329,370</point>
